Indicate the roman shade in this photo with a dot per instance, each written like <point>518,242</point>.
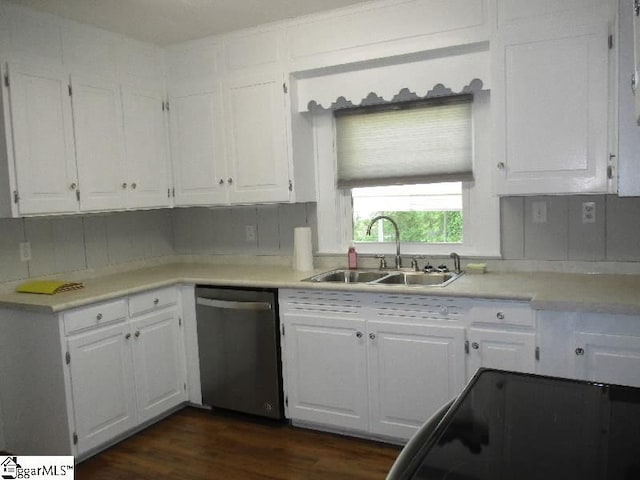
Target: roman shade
<point>422,142</point>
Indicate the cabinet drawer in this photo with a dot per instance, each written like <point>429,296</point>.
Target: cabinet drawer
<point>95,316</point>
<point>153,300</point>
<point>502,314</point>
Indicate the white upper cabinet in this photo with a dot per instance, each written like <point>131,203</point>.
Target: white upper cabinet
<point>550,108</point>
<point>258,125</point>
<point>45,162</point>
<point>146,147</point>
<point>97,110</point>
<point>197,149</point>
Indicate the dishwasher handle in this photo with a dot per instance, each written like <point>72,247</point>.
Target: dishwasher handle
<point>230,305</point>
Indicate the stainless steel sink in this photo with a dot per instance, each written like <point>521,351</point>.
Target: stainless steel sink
<point>385,277</point>
<point>418,278</point>
<point>348,276</point>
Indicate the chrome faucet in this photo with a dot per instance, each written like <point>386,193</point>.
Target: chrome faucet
<point>456,262</point>
<point>395,226</point>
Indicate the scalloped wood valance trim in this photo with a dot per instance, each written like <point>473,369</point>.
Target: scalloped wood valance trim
<point>436,77</point>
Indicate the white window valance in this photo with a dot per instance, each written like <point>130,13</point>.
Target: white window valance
<point>425,78</point>
<point>425,142</point>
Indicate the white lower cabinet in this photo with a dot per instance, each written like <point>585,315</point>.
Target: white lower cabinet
<point>159,364</point>
<point>76,381</point>
<point>414,369</point>
<point>353,364</point>
<point>501,349</point>
<point>128,371</point>
<point>607,358</point>
<point>327,370</point>
<point>102,388</point>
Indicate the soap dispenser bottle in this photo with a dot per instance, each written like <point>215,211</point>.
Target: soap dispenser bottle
<point>352,257</point>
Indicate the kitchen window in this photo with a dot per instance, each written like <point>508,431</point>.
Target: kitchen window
<point>396,156</point>
<point>453,195</point>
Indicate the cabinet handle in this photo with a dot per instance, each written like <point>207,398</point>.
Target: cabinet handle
<point>127,336</point>
<point>358,334</point>
<point>500,316</point>
<point>636,7</point>
<point>124,185</point>
<point>579,351</point>
<point>501,166</point>
<point>156,301</point>
<point>372,336</point>
<point>475,345</point>
<point>99,317</point>
<point>634,83</point>
<point>137,334</point>
<point>73,186</point>
<point>230,181</point>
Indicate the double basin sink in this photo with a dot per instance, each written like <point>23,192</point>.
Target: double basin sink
<point>386,277</point>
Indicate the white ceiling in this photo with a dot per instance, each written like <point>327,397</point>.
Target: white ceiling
<point>165,22</point>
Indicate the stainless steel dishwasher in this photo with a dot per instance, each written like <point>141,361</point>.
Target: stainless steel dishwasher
<point>239,349</point>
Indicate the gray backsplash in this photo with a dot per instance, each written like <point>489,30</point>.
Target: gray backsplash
<point>75,243</point>
<point>614,236</point>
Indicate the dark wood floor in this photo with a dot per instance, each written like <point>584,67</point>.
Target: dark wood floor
<point>194,444</point>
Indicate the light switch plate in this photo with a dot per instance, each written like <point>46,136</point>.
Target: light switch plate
<point>250,233</point>
<point>25,251</point>
<point>539,212</point>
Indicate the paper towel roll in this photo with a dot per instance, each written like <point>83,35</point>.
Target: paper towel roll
<point>302,249</point>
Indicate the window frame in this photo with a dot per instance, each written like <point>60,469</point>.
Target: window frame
<point>481,214</point>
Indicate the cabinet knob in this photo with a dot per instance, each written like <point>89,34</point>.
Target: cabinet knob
<point>134,185</point>
<point>475,345</point>
<point>579,351</point>
<point>372,336</point>
<point>137,334</point>
<point>99,316</point>
<point>124,185</point>
<point>634,83</point>
<point>500,316</point>
<point>230,181</point>
<point>127,336</point>
<point>501,166</point>
<point>358,334</point>
<point>73,186</point>
<point>221,182</point>
<point>156,301</point>
<point>444,310</point>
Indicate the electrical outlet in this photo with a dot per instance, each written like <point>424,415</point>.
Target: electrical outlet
<point>588,212</point>
<point>539,212</point>
<point>250,233</point>
<point>25,251</point>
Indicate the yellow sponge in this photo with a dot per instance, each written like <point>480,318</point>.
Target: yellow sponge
<point>476,268</point>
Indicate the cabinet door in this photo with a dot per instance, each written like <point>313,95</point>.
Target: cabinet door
<point>413,371</point>
<point>257,133</point>
<point>197,151</point>
<point>146,145</point>
<point>43,140</point>
<point>506,350</point>
<point>326,370</point>
<point>159,364</point>
<point>607,358</point>
<point>102,387</point>
<point>550,101</point>
<point>97,111</point>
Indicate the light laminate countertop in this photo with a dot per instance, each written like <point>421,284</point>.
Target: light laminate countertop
<point>598,293</point>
